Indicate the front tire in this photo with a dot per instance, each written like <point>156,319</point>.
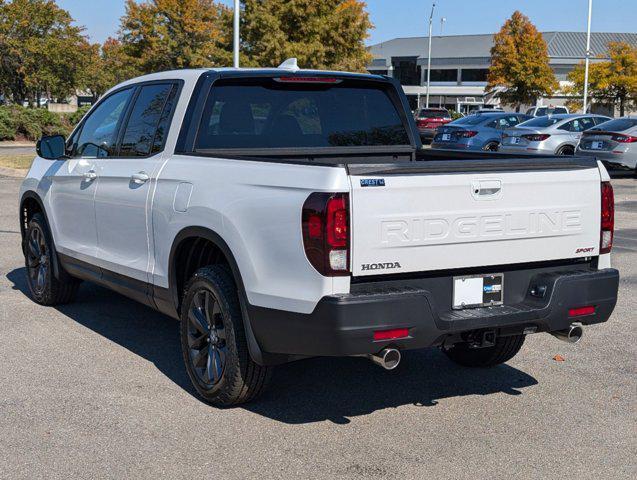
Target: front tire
<point>505,349</point>
<point>44,287</point>
<point>213,341</point>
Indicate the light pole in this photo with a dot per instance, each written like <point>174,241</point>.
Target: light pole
<point>236,34</point>
<point>588,54</point>
<point>431,17</point>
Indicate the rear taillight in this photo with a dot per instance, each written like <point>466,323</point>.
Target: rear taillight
<point>624,138</point>
<point>608,219</point>
<point>325,226</point>
<point>467,133</point>
<point>540,137</point>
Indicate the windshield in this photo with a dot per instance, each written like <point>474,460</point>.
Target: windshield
<point>618,125</point>
<point>434,114</point>
<point>272,113</point>
<point>540,122</point>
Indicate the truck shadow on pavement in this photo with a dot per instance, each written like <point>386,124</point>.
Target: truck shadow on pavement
<point>306,391</point>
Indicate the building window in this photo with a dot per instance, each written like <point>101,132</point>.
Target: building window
<point>474,74</point>
<point>378,72</point>
<point>443,75</point>
<point>406,70</point>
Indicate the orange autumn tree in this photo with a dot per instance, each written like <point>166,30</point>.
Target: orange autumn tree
<point>172,34</point>
<point>612,82</point>
<point>520,71</point>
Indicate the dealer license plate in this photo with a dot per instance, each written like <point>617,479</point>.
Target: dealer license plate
<point>446,137</point>
<point>478,291</point>
<point>597,145</point>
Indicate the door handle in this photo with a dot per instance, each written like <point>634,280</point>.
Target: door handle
<point>140,178</point>
<point>90,175</point>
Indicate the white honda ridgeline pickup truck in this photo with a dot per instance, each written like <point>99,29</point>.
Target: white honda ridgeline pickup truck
<point>282,214</point>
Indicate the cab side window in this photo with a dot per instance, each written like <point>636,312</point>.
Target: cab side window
<point>98,136</point>
<point>145,132</point>
<point>587,122</point>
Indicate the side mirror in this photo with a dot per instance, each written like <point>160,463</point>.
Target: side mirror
<point>51,147</point>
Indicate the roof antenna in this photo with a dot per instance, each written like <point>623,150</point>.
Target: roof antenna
<point>290,64</point>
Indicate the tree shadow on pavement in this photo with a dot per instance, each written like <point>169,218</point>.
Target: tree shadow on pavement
<point>306,391</point>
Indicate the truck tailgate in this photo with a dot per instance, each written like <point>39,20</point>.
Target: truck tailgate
<point>431,217</point>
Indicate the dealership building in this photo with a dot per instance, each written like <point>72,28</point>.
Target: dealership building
<point>459,65</point>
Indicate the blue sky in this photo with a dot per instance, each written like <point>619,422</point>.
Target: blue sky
<point>406,18</point>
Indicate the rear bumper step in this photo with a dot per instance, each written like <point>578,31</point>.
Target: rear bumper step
<point>345,324</point>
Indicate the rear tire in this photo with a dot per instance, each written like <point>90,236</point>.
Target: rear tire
<point>39,253</point>
<point>505,349</point>
<point>213,341</point>
<point>566,150</point>
<point>491,147</point>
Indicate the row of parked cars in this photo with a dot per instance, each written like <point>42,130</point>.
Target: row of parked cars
<point>614,141</point>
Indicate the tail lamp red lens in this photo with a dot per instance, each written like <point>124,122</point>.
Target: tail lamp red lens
<point>536,137</point>
<point>391,334</point>
<point>581,311</point>
<point>608,219</point>
<point>325,226</point>
<point>467,133</point>
<point>624,138</point>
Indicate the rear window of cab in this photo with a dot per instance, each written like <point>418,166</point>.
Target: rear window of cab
<point>277,113</point>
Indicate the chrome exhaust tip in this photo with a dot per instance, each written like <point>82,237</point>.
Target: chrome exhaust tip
<point>388,358</point>
<point>572,334</point>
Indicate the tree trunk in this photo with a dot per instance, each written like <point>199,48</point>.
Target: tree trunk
<point>622,101</point>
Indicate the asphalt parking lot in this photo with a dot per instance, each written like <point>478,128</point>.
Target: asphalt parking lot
<point>96,389</point>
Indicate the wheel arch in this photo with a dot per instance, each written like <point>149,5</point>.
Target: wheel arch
<point>194,240</point>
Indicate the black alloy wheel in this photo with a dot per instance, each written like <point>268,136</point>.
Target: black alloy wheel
<point>207,347</point>
<point>38,260</point>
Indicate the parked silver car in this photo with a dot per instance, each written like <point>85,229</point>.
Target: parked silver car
<point>549,135</point>
<point>482,131</point>
<point>613,142</point>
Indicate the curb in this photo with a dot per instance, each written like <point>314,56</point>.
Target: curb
<point>17,145</point>
<point>13,172</point>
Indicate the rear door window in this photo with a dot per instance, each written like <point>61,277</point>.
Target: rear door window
<point>269,113</point>
<point>142,125</point>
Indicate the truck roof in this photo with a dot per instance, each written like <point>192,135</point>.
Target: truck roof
<point>195,73</point>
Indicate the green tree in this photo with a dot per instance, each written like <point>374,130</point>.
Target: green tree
<point>612,82</point>
<point>41,51</point>
<point>520,71</point>
<point>172,34</point>
<point>326,34</point>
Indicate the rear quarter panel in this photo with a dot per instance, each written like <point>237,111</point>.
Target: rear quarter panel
<point>255,207</point>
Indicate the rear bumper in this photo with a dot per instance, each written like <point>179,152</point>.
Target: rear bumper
<point>344,324</point>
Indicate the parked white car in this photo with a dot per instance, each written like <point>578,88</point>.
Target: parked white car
<point>540,111</point>
<point>283,214</point>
